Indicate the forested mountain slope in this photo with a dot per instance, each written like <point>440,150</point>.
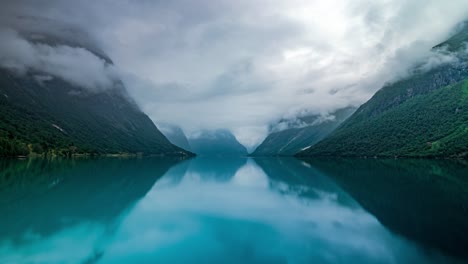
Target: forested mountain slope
<point>292,140</point>
<point>41,112</point>
<point>423,115</point>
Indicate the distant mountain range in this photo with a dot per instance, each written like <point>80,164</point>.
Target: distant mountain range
<point>212,143</point>
<point>423,115</point>
<point>41,113</point>
<point>311,130</point>
<point>175,135</point>
<point>216,143</point>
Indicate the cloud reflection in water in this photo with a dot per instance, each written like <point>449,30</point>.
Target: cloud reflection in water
<point>257,211</point>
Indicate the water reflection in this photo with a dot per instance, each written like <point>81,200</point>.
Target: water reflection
<point>423,200</point>
<point>212,211</point>
<point>47,206</point>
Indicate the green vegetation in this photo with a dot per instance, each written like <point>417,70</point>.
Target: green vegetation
<point>290,141</point>
<point>423,115</point>
<point>56,118</point>
<point>427,125</point>
<point>456,42</point>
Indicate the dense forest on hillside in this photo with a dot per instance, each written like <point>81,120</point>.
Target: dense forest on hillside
<point>292,140</point>
<point>427,125</point>
<point>422,115</point>
<point>60,119</point>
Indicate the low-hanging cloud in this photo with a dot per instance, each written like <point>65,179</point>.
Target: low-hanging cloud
<point>244,65</point>
<point>75,65</point>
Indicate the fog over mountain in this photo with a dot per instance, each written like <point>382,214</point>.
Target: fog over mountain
<point>175,135</point>
<point>237,65</point>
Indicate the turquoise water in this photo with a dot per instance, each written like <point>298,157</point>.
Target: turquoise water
<point>215,210</point>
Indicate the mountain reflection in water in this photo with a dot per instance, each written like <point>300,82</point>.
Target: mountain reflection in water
<point>228,210</point>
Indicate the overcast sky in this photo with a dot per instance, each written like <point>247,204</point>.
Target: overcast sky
<point>242,65</point>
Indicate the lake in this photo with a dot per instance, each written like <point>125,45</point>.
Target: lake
<point>233,210</point>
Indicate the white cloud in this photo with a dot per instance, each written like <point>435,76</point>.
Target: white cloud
<point>75,65</point>
<point>242,65</point>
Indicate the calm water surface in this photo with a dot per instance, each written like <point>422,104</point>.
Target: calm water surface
<point>215,210</point>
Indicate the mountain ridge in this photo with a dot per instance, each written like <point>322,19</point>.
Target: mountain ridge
<point>408,118</point>
<point>289,141</point>
<point>42,113</point>
<point>220,142</point>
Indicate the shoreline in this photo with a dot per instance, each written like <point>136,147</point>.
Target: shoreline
<point>106,155</point>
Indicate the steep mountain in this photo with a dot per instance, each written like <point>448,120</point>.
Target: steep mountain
<point>423,115</point>
<point>43,113</point>
<point>175,135</point>
<point>457,41</point>
<point>292,140</point>
<point>216,143</point>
